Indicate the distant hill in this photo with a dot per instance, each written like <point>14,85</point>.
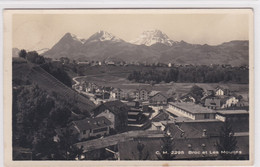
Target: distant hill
<point>23,71</point>
<point>15,52</point>
<point>233,52</point>
<point>152,46</point>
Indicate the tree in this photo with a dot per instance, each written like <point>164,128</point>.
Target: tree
<point>60,116</point>
<point>192,74</point>
<point>36,114</point>
<point>227,142</point>
<point>141,155</point>
<point>66,147</point>
<point>34,57</point>
<point>58,72</point>
<point>166,151</point>
<point>197,93</point>
<point>45,147</point>
<point>22,53</point>
<point>239,97</point>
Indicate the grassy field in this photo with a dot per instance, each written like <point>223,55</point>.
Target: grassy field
<point>116,76</point>
<point>117,81</point>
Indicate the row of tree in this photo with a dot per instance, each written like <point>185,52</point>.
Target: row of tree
<point>32,57</point>
<point>192,74</point>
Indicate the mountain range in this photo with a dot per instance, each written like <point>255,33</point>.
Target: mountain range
<point>151,46</point>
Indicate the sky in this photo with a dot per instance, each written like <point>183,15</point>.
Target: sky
<point>43,30</point>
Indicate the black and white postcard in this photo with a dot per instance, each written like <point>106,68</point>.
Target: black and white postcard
<point>128,87</point>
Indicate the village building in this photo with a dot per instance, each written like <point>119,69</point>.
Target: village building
<point>93,149</point>
<point>107,89</point>
<point>209,93</point>
<point>161,116</point>
<point>92,87</point>
<point>243,104</point>
<point>132,104</point>
<point>115,111</point>
<point>102,95</point>
<point>82,86</point>
<point>183,149</point>
<point>229,101</point>
<point>232,115</point>
<point>239,119</point>
<point>117,93</point>
<point>160,121</point>
<point>188,98</point>
<point>192,129</point>
<point>190,110</point>
<point>64,60</point>
<point>157,126</point>
<point>142,94</point>
<point>145,106</point>
<point>213,103</point>
<point>134,115</point>
<point>84,62</point>
<point>110,63</point>
<point>221,102</point>
<point>221,91</point>
<point>157,98</point>
<point>86,128</point>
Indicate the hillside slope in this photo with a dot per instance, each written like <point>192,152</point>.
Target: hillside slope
<point>35,74</point>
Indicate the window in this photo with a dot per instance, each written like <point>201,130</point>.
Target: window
<point>100,130</point>
<point>206,116</point>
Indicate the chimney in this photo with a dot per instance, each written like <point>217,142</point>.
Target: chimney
<point>204,134</point>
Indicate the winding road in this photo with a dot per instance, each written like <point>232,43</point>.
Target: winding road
<point>75,80</point>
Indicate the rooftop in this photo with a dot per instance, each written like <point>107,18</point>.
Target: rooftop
<point>212,101</point>
<point>231,112</point>
<point>116,90</point>
<point>195,129</point>
<point>179,119</point>
<point>161,116</point>
<point>192,108</point>
<point>115,107</point>
<point>154,92</point>
<point>129,150</point>
<point>115,139</point>
<point>92,123</point>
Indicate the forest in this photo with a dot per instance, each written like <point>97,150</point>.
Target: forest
<point>36,117</point>
<point>193,74</point>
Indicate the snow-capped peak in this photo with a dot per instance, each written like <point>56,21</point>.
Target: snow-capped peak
<point>76,38</point>
<point>41,51</point>
<point>104,36</point>
<point>151,37</point>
